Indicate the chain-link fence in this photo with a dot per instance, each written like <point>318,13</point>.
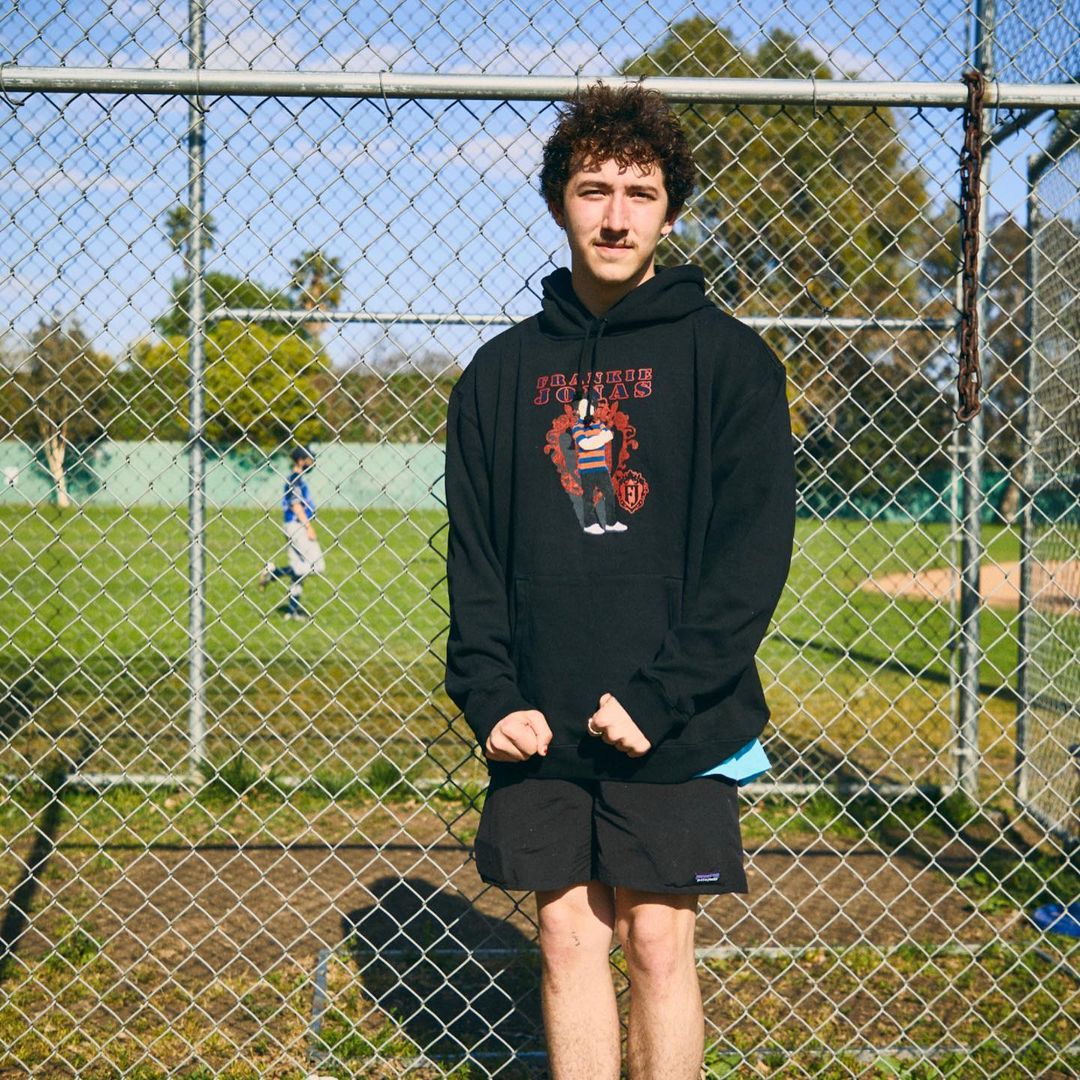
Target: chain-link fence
<point>236,843</point>
<point>1049,727</point>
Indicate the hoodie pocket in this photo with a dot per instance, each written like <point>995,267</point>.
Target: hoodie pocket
<point>575,639</point>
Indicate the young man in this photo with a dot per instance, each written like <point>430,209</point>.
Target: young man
<point>305,555</point>
<point>609,676</point>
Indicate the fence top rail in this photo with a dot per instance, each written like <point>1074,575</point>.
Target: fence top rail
<point>226,83</point>
<point>317,315</point>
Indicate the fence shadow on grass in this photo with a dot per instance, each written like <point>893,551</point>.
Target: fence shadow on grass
<point>885,660</point>
<point>462,985</point>
<point>16,917</point>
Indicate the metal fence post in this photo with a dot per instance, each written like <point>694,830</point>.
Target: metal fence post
<point>971,479</point>
<point>1026,427</point>
<point>196,447</point>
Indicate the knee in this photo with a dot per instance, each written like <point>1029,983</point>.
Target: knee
<point>657,943</point>
<point>571,933</point>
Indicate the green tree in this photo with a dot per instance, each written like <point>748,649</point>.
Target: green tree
<point>179,222</point>
<point>59,393</point>
<point>262,389</point>
<point>261,377</point>
<point>802,209</point>
<point>803,212</point>
<point>317,283</point>
<point>147,404</point>
<point>149,401</point>
<point>226,291</point>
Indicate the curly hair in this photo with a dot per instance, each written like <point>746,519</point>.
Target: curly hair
<point>631,124</point>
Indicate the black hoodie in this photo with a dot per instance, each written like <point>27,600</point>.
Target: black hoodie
<point>667,612</point>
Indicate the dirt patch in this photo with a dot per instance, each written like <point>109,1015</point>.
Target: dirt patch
<point>236,932</point>
<point>1055,586</point>
<point>242,909</point>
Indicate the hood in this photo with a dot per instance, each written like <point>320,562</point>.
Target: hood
<point>670,294</point>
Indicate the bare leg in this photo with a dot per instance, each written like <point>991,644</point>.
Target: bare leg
<point>666,1038</point>
<point>577,995</point>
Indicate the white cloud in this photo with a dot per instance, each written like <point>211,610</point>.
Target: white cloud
<point>61,177</point>
<point>860,64</point>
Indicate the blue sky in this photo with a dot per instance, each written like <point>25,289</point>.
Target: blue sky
<point>433,210</point>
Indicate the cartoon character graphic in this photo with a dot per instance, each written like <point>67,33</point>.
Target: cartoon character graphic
<point>590,448</point>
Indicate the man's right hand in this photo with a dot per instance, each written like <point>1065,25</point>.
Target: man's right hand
<point>518,735</point>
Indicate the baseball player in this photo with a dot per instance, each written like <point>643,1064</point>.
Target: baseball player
<point>305,555</point>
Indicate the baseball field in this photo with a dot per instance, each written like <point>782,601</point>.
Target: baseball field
<point>311,908</point>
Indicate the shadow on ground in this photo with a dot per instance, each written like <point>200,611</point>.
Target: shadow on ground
<point>461,984</point>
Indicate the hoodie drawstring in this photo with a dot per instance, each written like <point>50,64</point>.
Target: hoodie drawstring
<point>583,391</point>
<point>580,371</point>
<point>592,368</point>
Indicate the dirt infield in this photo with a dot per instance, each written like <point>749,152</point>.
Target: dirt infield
<point>1055,586</point>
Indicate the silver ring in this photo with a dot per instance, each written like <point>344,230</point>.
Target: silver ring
<point>592,730</point>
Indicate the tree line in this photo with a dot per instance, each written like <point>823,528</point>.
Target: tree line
<point>267,383</point>
<point>801,211</point>
<point>820,211</point>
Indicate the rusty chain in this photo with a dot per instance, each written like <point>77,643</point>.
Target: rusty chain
<point>969,377</point>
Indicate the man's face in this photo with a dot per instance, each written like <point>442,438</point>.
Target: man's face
<point>614,217</point>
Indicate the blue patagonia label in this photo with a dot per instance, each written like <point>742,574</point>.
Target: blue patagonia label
<point>707,877</point>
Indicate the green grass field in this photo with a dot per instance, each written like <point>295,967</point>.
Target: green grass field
<point>351,707</point>
<point>95,639</point>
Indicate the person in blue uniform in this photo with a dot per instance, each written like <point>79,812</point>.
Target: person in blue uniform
<point>304,553</point>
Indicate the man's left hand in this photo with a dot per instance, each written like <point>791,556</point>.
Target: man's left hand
<point>612,723</point>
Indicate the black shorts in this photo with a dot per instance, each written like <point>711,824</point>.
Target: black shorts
<point>548,834</point>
